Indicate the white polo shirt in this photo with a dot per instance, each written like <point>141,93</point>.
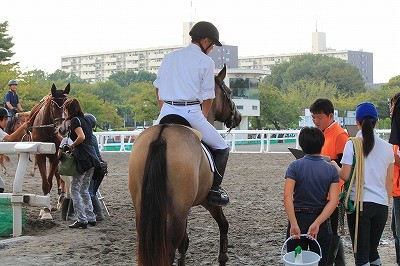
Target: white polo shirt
<point>375,169</point>
<point>186,74</point>
<point>3,134</point>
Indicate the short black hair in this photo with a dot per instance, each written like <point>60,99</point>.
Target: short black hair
<point>322,106</point>
<point>311,140</point>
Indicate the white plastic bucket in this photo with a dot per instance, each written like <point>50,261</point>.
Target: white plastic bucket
<point>309,257</point>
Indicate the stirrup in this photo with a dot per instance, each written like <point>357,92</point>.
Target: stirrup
<point>218,197</point>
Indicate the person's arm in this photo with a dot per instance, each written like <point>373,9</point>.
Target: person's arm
<point>80,137</point>
<point>160,103</point>
<point>18,134</point>
<point>206,106</point>
<point>396,160</point>
<point>344,172</point>
<point>327,211</point>
<point>9,106</point>
<point>289,207</point>
<point>19,107</point>
<point>389,180</point>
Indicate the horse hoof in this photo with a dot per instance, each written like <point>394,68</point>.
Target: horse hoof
<point>46,216</point>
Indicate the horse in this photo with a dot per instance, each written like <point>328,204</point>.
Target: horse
<point>168,174</point>
<point>47,117</point>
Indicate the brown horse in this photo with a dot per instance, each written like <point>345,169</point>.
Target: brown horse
<point>168,174</point>
<point>47,117</point>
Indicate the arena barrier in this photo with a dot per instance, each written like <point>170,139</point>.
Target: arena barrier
<point>256,141</point>
<point>18,198</point>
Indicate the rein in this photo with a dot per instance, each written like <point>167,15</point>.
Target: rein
<point>55,120</point>
<point>230,117</point>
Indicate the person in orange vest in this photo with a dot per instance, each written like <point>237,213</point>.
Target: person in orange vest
<point>322,112</point>
<point>395,224</point>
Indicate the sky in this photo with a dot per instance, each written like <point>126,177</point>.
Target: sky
<point>45,30</point>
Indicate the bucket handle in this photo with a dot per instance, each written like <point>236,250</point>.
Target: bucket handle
<point>302,235</point>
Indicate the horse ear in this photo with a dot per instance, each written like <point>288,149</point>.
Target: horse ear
<point>53,89</point>
<point>221,75</point>
<point>67,89</point>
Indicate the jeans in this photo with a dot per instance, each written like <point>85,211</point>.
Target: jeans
<point>396,226</point>
<point>81,198</point>
<point>304,220</point>
<point>371,223</point>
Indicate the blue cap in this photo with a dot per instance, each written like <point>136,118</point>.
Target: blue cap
<point>366,109</point>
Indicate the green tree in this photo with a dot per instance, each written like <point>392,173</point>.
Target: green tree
<point>5,43</point>
<point>317,68</point>
<point>276,109</point>
<point>125,78</point>
<point>145,106</point>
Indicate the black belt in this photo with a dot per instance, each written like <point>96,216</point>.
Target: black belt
<point>182,103</point>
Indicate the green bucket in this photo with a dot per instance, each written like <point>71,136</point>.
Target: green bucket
<point>6,217</point>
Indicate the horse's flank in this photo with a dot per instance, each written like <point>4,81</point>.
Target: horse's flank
<point>186,170</point>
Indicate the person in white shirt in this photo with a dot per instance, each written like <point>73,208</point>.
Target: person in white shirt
<point>185,86</point>
<point>376,189</point>
<point>15,136</point>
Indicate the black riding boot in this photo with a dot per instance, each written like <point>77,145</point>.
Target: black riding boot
<point>64,208</point>
<point>217,195</point>
<point>97,208</point>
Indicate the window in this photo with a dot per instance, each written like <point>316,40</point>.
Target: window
<point>254,107</point>
<point>239,107</point>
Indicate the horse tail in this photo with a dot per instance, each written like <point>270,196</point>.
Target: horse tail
<point>152,246</point>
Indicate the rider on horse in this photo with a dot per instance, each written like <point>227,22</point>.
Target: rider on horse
<point>11,103</point>
<point>185,86</point>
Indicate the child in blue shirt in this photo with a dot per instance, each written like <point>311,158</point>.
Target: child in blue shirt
<point>307,183</point>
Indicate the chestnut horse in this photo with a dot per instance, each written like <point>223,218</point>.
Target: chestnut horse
<point>168,174</point>
<point>46,118</point>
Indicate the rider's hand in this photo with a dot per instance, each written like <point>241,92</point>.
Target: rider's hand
<point>25,125</point>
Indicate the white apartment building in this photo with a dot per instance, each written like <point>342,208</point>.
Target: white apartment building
<point>363,61</point>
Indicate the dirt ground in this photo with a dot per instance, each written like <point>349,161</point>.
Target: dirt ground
<point>256,216</point>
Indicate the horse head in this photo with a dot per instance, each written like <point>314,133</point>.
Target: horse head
<point>58,98</point>
<point>224,109</point>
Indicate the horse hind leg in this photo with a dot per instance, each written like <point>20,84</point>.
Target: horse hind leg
<point>223,225</point>
<point>182,248</point>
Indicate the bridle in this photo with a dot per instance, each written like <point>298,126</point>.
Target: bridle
<point>230,118</point>
<point>53,105</point>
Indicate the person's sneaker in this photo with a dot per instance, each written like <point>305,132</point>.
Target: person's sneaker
<point>218,197</point>
<point>78,225</point>
<point>92,223</point>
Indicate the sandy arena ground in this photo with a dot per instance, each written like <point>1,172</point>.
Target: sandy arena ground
<point>256,216</point>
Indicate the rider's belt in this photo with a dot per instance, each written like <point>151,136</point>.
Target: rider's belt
<point>182,103</point>
<point>308,210</point>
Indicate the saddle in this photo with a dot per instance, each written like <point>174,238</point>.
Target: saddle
<point>179,120</point>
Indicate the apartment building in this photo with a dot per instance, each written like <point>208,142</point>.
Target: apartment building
<point>99,66</point>
<point>363,61</point>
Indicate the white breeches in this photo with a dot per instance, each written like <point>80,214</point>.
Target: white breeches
<point>195,117</point>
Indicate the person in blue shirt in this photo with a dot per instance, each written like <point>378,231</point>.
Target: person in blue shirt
<point>307,183</point>
<point>11,103</point>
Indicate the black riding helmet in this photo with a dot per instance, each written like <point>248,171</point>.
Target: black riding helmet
<point>92,119</point>
<point>3,112</point>
<point>205,29</point>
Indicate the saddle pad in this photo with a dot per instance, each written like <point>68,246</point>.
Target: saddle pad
<point>209,157</point>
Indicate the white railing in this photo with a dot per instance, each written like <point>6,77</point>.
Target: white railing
<point>239,141</point>
<point>18,198</point>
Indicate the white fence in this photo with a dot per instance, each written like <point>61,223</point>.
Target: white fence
<point>239,141</point>
<point>18,197</point>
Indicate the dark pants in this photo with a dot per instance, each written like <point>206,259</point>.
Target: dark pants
<point>396,226</point>
<point>95,182</point>
<point>339,259</point>
<point>371,223</point>
<point>304,221</point>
